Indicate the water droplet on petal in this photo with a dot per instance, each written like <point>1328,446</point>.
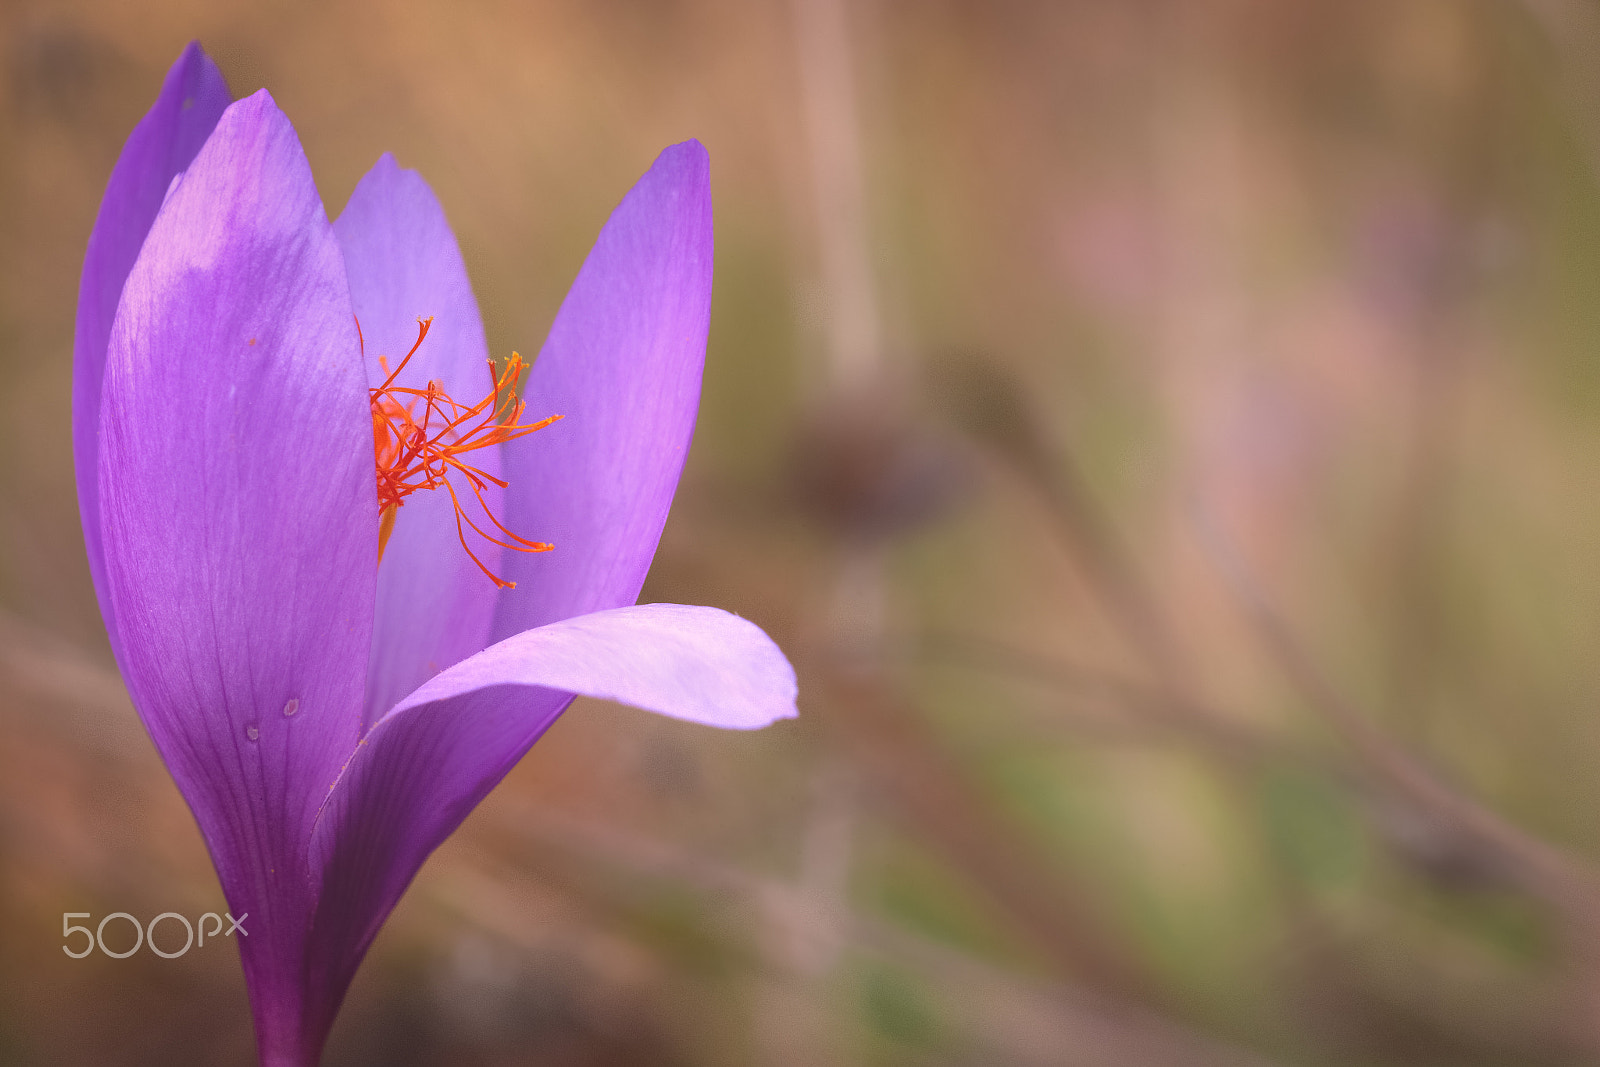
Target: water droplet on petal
<point>252,733</point>
<point>290,708</point>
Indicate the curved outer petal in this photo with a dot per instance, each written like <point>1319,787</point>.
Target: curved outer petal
<point>426,764</point>
<point>241,525</point>
<point>159,149</point>
<point>434,605</point>
<point>622,365</point>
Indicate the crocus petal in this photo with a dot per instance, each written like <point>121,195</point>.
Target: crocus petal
<point>160,148</point>
<point>426,764</point>
<point>434,604</point>
<point>622,366</point>
<point>236,490</point>
<point>699,664</point>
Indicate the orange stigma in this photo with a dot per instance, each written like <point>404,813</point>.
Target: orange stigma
<point>420,435</point>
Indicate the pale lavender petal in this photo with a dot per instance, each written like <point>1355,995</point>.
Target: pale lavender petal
<point>699,664</point>
<point>426,764</point>
<point>240,522</point>
<point>160,147</point>
<point>622,367</point>
<point>434,604</point>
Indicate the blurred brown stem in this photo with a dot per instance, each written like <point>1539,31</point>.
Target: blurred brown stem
<point>1540,869</point>
<point>888,741</point>
<point>1155,709</point>
<point>1030,1021</point>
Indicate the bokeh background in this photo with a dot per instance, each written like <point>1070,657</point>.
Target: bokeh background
<point>1163,433</point>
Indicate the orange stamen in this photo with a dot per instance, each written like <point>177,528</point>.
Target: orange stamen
<point>419,436</point>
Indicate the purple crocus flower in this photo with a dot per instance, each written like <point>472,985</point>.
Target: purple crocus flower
<point>331,720</point>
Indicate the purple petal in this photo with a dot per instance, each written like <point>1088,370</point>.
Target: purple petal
<point>622,366</point>
<point>426,764</point>
<point>703,665</point>
<point>240,522</point>
<point>434,604</point>
<point>159,149</point>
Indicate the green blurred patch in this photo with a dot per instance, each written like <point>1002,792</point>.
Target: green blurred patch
<point>678,924</point>
<point>1312,828</point>
<point>917,890</point>
<point>900,1012</point>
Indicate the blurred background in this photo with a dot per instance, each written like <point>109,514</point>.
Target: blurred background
<point>1164,434</point>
